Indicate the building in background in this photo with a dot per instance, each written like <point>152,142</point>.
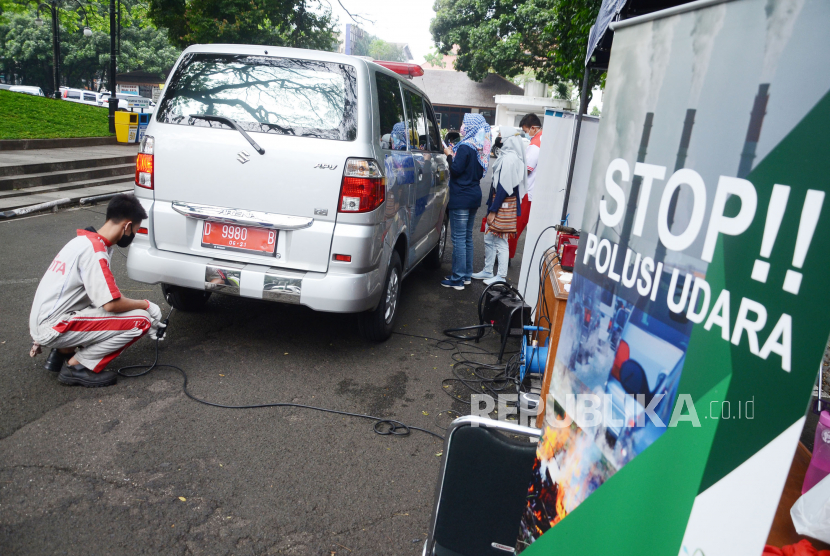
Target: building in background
<point>453,94</point>
<point>510,108</point>
<point>349,38</point>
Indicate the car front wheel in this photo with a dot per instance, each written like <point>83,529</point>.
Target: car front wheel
<point>377,325</point>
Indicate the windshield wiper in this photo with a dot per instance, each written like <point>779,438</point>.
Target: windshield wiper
<point>231,123</point>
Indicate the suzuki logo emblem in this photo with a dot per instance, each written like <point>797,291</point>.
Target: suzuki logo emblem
<point>243,157</point>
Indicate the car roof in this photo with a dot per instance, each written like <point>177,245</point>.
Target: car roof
<point>302,53</point>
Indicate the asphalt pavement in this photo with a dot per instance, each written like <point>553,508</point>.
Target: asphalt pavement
<point>138,468</point>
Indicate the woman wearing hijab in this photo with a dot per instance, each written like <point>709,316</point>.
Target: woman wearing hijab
<point>509,185</point>
<point>471,156</point>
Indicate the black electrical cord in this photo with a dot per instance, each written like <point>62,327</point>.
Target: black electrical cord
<point>505,377</point>
<point>383,427</point>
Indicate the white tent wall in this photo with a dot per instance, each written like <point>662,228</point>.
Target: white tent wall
<point>549,191</point>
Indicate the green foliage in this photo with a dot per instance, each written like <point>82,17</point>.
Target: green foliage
<point>508,37</point>
<point>565,90</point>
<point>361,45</point>
<point>435,58</point>
<point>379,49</point>
<point>29,117</point>
<point>27,48</point>
<point>295,23</point>
<point>595,111</point>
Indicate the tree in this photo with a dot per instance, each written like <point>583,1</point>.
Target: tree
<point>508,37</point>
<point>295,23</point>
<point>379,49</point>
<point>27,48</point>
<point>435,58</point>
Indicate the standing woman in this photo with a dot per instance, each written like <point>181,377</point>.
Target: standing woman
<point>471,156</point>
<point>503,209</point>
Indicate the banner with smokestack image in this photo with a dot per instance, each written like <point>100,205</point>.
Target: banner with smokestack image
<point>700,304</point>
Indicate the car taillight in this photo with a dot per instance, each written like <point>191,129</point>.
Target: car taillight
<point>623,353</point>
<point>144,163</point>
<point>143,231</point>
<point>363,188</point>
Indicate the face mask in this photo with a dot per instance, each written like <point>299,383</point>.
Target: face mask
<point>125,240</point>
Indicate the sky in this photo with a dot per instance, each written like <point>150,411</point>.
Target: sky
<point>394,21</point>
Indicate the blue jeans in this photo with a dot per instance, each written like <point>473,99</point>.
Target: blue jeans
<point>461,226</point>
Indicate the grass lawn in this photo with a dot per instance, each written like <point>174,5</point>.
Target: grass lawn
<point>28,117</point>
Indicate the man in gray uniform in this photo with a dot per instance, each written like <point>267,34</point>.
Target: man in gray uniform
<point>79,307</point>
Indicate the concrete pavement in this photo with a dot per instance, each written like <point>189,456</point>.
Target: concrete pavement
<point>140,469</point>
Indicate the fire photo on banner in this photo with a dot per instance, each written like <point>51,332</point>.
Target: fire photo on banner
<point>697,315</point>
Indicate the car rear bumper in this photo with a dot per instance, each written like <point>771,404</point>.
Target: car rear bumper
<point>329,291</point>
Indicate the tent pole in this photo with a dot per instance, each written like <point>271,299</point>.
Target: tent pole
<point>583,107</point>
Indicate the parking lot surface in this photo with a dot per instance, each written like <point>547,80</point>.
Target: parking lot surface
<point>138,468</point>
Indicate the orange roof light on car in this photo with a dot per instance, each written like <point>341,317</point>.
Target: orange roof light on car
<point>402,68</point>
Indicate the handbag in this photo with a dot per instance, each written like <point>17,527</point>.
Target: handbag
<point>504,225</point>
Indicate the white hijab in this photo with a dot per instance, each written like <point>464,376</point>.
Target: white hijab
<point>510,169</point>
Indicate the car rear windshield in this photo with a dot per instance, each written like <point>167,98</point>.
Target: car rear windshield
<point>264,94</point>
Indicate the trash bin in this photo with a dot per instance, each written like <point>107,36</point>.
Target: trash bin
<point>143,120</point>
<point>126,127</point>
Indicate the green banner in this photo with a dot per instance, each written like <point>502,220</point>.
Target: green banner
<point>697,314</point>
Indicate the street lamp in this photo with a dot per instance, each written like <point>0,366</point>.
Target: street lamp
<point>56,52</point>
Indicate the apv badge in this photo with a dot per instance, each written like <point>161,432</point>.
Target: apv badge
<point>326,166</point>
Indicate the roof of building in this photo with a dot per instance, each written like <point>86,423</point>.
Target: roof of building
<point>454,88</point>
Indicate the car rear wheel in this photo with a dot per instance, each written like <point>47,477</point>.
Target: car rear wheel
<point>435,257</point>
<point>185,299</point>
<point>377,325</point>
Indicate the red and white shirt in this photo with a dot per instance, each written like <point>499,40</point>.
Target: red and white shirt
<point>532,161</point>
<point>79,277</point>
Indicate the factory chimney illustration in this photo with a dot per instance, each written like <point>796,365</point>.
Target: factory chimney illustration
<point>679,162</point>
<point>753,132</point>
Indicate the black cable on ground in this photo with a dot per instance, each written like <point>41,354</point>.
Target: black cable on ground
<point>492,378</point>
<point>382,426</point>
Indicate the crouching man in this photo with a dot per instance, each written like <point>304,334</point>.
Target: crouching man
<point>78,306</point>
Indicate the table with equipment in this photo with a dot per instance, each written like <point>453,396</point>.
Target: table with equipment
<point>553,298</point>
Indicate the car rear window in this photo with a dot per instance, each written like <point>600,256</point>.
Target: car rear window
<point>305,98</point>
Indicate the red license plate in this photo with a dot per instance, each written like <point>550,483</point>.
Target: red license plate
<point>247,239</point>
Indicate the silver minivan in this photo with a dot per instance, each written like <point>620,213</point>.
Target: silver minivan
<point>290,175</point>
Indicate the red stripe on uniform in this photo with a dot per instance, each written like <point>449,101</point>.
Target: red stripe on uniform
<point>102,364</point>
<point>105,268</point>
<point>97,324</point>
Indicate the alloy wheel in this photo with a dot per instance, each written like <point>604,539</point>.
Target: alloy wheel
<point>391,296</point>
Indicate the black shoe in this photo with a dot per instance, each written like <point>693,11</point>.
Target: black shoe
<point>78,375</point>
<point>55,361</point>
